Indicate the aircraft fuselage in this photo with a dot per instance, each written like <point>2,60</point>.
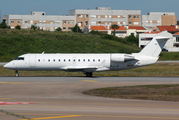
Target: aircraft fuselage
<point>77,62</point>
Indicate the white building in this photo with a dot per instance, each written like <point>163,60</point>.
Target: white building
<point>172,44</point>
<point>176,42</point>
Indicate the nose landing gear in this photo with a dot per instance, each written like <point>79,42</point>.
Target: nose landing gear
<point>17,73</point>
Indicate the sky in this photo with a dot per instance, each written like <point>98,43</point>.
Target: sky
<point>62,7</point>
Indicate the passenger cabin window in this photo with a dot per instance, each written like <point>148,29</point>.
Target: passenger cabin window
<point>19,58</point>
<point>59,60</point>
<point>93,60</point>
<point>88,60</point>
<point>84,60</point>
<point>64,60</point>
<point>79,60</point>
<point>39,60</point>
<point>49,60</point>
<point>98,60</point>
<point>54,60</point>
<point>69,60</point>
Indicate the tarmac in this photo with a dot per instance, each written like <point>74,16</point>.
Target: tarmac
<point>54,98</point>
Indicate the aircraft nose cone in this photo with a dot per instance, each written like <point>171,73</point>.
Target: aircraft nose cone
<point>8,66</point>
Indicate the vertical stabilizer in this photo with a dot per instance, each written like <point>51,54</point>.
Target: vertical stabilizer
<point>156,45</point>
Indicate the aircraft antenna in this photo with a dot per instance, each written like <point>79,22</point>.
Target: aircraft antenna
<point>43,52</point>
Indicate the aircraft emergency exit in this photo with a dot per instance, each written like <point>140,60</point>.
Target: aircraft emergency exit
<point>89,63</point>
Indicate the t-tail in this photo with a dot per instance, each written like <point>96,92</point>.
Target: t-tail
<point>150,53</point>
<point>156,45</point>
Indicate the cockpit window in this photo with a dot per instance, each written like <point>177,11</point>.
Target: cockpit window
<point>19,58</point>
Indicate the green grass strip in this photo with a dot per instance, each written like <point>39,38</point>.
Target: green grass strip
<point>145,92</point>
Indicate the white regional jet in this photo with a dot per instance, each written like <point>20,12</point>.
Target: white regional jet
<point>88,63</point>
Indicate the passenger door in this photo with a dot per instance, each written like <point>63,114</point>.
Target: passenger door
<point>32,60</point>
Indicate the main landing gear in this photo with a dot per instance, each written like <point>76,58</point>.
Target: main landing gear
<point>89,74</point>
<point>17,73</point>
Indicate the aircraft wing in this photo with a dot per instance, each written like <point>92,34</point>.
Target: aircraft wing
<point>86,68</point>
<point>80,68</point>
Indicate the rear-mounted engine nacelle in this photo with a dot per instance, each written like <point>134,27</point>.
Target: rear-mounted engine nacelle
<point>121,57</point>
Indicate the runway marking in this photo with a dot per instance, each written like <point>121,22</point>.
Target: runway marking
<point>12,83</point>
<point>89,81</point>
<point>54,117</point>
<point>42,114</point>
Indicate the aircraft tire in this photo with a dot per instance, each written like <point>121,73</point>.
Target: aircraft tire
<point>17,73</point>
<point>89,74</point>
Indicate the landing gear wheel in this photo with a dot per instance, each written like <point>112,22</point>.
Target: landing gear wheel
<point>17,73</point>
<point>89,74</point>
